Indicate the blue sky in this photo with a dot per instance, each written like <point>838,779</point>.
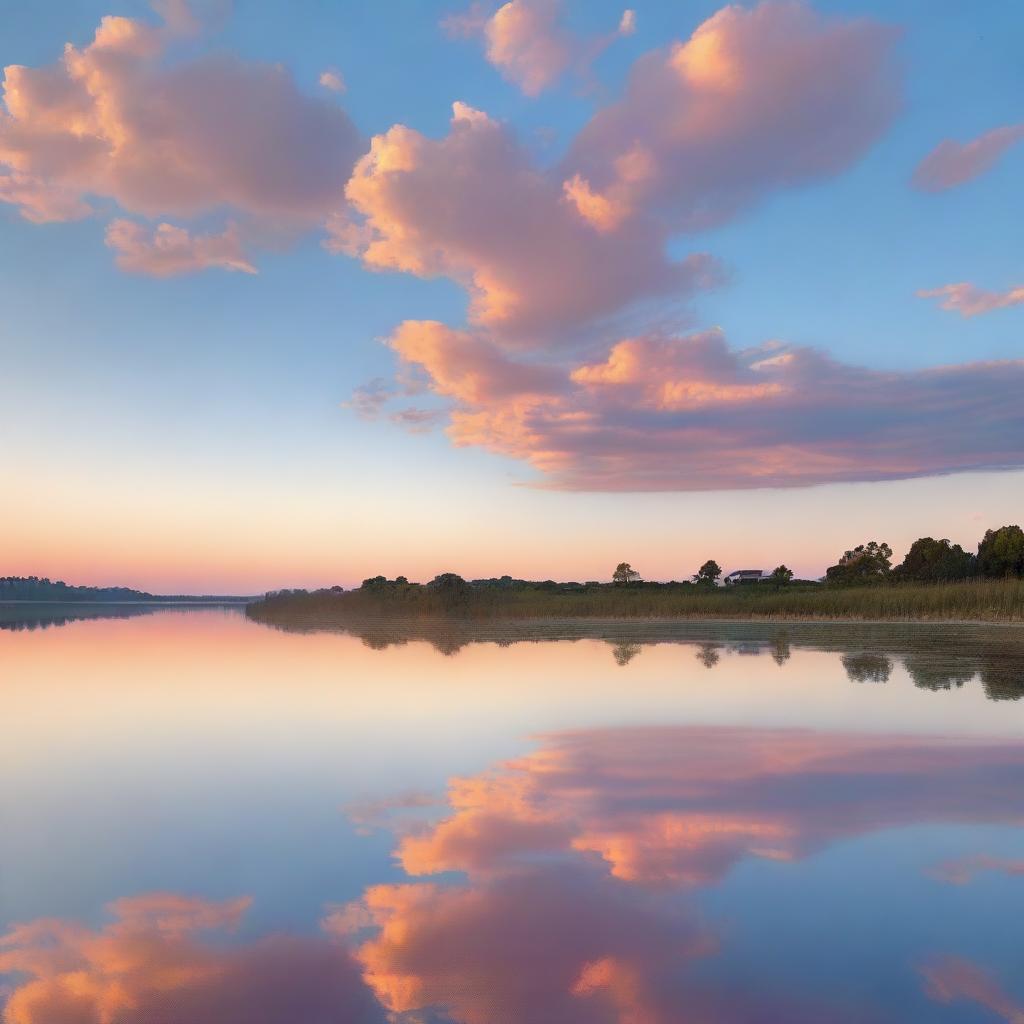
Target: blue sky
<point>190,431</point>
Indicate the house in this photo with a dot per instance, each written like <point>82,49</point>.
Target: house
<point>744,576</point>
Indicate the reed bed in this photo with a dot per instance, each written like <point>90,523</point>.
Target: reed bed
<point>969,601</point>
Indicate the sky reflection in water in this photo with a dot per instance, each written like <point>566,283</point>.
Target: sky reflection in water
<point>206,820</point>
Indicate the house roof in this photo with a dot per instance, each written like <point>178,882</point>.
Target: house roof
<point>747,572</point>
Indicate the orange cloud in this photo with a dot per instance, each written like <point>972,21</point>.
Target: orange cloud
<point>969,300</point>
<point>461,366</point>
<point>149,965</point>
<point>473,208</point>
<point>39,201</point>
<point>954,163</point>
<point>169,250</point>
<point>754,100</point>
<point>689,413</point>
<point>527,42</point>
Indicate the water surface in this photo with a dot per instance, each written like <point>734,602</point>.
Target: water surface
<point>208,820</point>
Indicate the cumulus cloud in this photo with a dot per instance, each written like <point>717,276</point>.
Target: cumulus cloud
<point>119,120</point>
<point>690,413</point>
<point>473,208</point>
<point>558,259</point>
<point>969,300</point>
<point>754,100</point>
<point>528,43</point>
<point>954,163</point>
<point>151,963</point>
<point>167,251</point>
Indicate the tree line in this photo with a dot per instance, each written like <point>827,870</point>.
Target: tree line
<point>1000,555</point>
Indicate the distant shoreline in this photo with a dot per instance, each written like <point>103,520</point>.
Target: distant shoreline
<point>155,600</point>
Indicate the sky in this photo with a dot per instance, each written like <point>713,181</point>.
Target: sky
<point>301,292</point>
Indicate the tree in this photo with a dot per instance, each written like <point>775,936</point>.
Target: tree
<point>781,575</point>
<point>866,563</point>
<point>624,574</point>
<point>1001,552</point>
<point>931,561</point>
<point>451,588</point>
<point>708,573</point>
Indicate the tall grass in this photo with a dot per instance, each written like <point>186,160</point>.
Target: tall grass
<point>975,600</point>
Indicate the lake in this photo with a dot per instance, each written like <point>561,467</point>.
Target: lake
<point>208,820</point>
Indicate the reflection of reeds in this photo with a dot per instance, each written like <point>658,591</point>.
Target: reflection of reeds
<point>983,601</point>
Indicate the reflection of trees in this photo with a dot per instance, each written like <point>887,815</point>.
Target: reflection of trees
<point>936,656</point>
<point>780,649</point>
<point>18,617</point>
<point>867,668</point>
<point>1002,680</point>
<point>936,673</point>
<point>708,656</point>
<point>624,653</point>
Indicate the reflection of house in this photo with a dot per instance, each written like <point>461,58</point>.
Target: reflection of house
<point>744,576</point>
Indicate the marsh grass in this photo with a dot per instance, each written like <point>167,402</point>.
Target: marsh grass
<point>971,601</point>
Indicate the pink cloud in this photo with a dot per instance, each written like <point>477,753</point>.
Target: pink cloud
<point>118,120</point>
<point>969,300</point>
<point>150,964</point>
<point>167,251</point>
<point>953,163</point>
<point>528,43</point>
<point>951,979</point>
<point>473,208</point>
<point>689,413</point>
<point>41,202</point>
<point>462,366</point>
<point>754,100</point>
<point>333,80</point>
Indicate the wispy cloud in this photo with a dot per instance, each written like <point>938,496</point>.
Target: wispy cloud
<point>953,979</point>
<point>969,300</point>
<point>954,163</point>
<point>167,250</point>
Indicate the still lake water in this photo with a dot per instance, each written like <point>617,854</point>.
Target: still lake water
<point>204,820</point>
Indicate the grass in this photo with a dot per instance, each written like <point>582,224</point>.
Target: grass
<point>969,601</point>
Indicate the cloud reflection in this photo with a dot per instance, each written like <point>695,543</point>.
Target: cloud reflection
<point>682,805</point>
<point>579,862</point>
<point>161,960</point>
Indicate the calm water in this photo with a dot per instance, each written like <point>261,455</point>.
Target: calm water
<point>208,821</point>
